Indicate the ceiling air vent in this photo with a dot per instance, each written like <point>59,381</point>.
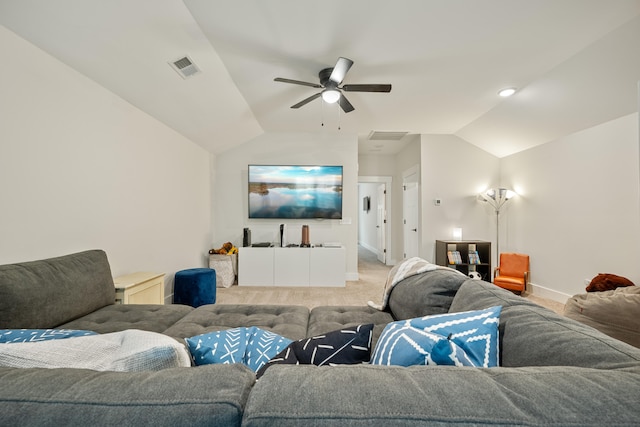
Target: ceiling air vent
<point>185,67</point>
<point>386,136</point>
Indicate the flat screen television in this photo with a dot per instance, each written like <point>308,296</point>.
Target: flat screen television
<point>295,192</point>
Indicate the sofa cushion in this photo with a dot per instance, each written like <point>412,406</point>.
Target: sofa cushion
<point>129,351</point>
<point>531,335</point>
<point>118,317</point>
<point>286,320</point>
<point>47,293</point>
<point>331,318</point>
<point>175,397</point>
<point>424,294</point>
<point>345,346</point>
<point>36,335</point>
<point>463,339</point>
<point>368,395</point>
<point>614,312</point>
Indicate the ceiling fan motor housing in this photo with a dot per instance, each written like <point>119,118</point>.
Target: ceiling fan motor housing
<point>324,79</point>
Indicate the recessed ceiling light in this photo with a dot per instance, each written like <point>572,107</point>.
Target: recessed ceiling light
<point>507,92</point>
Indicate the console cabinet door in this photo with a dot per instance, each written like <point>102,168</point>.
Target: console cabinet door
<point>292,266</point>
<point>327,267</point>
<point>255,266</point>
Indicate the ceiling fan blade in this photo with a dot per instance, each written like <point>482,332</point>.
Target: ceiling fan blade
<point>340,70</point>
<point>366,88</point>
<point>345,104</point>
<point>307,100</point>
<point>297,82</point>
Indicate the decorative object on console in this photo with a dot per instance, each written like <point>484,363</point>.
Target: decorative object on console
<point>497,197</point>
<point>607,282</point>
<point>283,235</point>
<point>246,238</point>
<point>305,243</point>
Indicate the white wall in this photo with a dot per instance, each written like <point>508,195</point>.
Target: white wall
<point>330,148</point>
<point>577,213</point>
<point>455,171</point>
<point>81,169</point>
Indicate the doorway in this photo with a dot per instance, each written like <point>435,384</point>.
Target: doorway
<point>411,212</point>
<point>374,222</point>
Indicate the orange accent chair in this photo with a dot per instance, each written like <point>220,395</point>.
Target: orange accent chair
<point>513,272</point>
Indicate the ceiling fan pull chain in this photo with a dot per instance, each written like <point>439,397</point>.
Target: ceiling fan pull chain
<point>322,113</point>
<point>339,116</point>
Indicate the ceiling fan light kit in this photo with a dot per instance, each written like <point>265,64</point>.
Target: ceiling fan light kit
<point>330,80</point>
<point>330,96</point>
<point>507,92</point>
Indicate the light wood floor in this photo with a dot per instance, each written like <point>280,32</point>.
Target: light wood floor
<point>369,287</point>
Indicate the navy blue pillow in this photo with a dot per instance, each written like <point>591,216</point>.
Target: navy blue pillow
<point>346,346</point>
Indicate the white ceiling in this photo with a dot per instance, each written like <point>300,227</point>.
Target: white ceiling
<point>575,62</point>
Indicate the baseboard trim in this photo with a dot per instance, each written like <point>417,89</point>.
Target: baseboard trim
<point>542,292</point>
<point>352,277</point>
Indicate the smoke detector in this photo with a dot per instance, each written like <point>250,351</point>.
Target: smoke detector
<point>185,67</point>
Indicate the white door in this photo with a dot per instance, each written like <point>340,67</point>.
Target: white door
<point>381,224</point>
<point>410,222</point>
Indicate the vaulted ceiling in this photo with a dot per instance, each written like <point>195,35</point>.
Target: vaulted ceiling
<point>575,64</point>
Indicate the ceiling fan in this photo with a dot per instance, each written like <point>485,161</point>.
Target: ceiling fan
<point>330,80</point>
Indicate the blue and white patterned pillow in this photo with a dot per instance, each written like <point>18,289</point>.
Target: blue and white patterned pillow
<point>262,346</point>
<point>251,346</point>
<point>226,346</point>
<point>462,339</point>
<point>8,336</point>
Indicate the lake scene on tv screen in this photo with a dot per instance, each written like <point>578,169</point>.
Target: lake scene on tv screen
<point>295,192</point>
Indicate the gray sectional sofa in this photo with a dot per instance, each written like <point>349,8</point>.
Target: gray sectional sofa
<point>554,371</point>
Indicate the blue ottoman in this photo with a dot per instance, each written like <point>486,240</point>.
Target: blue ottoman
<point>195,287</point>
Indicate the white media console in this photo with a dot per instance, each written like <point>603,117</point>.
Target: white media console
<point>319,266</point>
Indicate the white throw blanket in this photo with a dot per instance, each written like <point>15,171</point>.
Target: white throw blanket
<point>130,350</point>
<point>406,268</point>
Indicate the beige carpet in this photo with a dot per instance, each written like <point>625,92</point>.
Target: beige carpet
<point>372,273</point>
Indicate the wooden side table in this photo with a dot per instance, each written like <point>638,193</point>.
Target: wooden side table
<point>140,288</point>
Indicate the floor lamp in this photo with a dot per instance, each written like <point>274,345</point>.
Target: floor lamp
<point>497,197</point>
